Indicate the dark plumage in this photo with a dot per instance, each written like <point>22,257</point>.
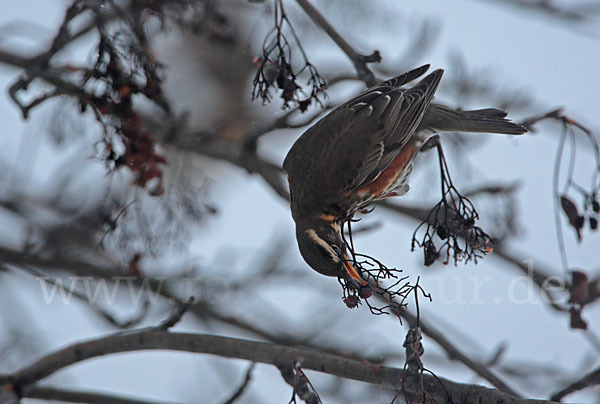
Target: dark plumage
<point>364,150</point>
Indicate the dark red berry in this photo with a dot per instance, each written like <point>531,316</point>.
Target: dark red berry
<point>430,253</point>
<point>442,232</point>
<point>365,292</point>
<point>469,222</point>
<point>351,301</point>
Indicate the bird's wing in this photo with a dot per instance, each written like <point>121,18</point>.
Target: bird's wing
<point>390,116</point>
<point>356,141</point>
<point>370,95</point>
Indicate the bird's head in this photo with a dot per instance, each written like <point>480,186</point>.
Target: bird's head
<point>321,245</point>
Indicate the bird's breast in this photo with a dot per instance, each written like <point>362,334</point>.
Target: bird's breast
<point>395,176</point>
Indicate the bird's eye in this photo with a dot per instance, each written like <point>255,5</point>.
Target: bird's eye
<point>336,250</point>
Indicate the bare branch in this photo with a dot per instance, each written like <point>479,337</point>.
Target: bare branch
<point>359,61</point>
<point>569,13</point>
<point>99,310</point>
<point>589,380</point>
<point>208,145</point>
<point>275,66</point>
<point>454,353</point>
<point>74,396</point>
<point>539,276</point>
<point>240,390</point>
<point>253,351</point>
<point>296,378</point>
<point>176,316</point>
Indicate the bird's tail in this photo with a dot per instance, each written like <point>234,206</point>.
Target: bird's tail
<point>490,120</point>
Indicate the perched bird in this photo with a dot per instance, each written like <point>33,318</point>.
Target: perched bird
<point>364,150</point>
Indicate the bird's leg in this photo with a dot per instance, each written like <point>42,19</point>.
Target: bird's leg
<point>432,142</point>
<point>366,209</point>
<point>349,221</point>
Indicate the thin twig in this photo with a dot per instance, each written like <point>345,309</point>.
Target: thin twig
<point>123,324</point>
<point>246,159</point>
<point>176,316</point>
<point>240,390</point>
<point>568,13</point>
<point>555,192</point>
<point>301,385</point>
<point>589,380</point>
<point>452,351</point>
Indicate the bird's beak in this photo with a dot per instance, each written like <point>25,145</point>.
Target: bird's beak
<point>353,273</point>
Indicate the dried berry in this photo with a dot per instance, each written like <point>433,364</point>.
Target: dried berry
<point>579,287</point>
<point>365,292</point>
<point>351,301</point>
<point>469,222</point>
<point>577,322</point>
<point>575,219</point>
<point>303,105</point>
<point>442,232</point>
<point>430,252</point>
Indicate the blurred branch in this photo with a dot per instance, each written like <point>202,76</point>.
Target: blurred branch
<point>80,268</point>
<point>541,278</point>
<point>421,214</point>
<point>453,352</point>
<point>38,66</point>
<point>96,308</point>
<point>253,351</point>
<point>571,13</point>
<point>33,70</point>
<point>74,396</point>
<point>202,309</point>
<point>587,214</point>
<point>176,316</point>
<point>467,83</point>
<point>297,379</point>
<point>589,380</point>
<point>283,122</point>
<point>240,390</point>
<point>529,122</point>
<point>360,61</point>
<point>275,66</point>
<point>244,157</point>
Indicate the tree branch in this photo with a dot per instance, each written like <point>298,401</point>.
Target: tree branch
<point>152,339</point>
<point>94,306</point>
<point>75,396</point>
<point>359,61</point>
<point>208,145</point>
<point>591,379</point>
<point>453,352</point>
<point>539,277</point>
<point>201,309</point>
<point>578,13</point>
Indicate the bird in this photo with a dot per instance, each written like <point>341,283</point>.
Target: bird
<point>363,151</point>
